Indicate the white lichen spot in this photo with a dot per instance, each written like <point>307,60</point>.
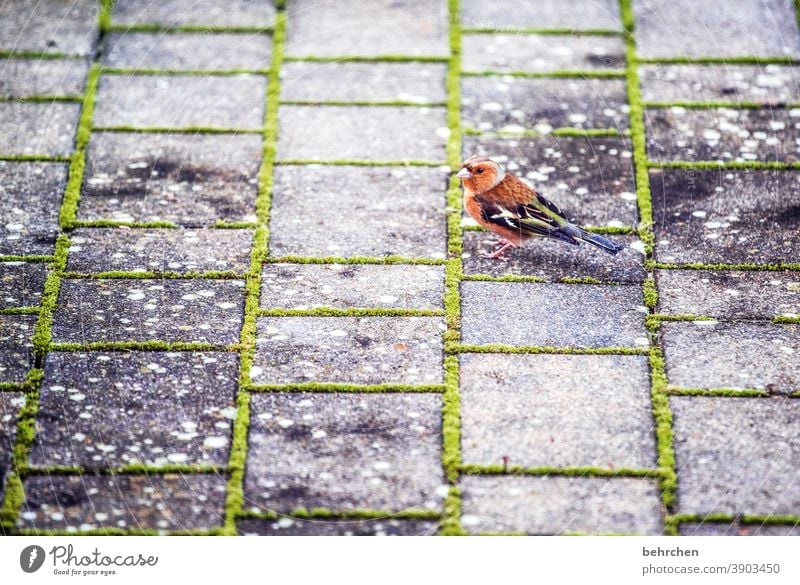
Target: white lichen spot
<point>215,442</point>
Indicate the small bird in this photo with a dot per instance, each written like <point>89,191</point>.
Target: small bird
<point>503,204</point>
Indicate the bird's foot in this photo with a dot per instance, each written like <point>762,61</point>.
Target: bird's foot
<point>499,242</point>
<point>499,254</point>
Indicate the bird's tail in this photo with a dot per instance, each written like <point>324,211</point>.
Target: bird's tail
<point>599,241</point>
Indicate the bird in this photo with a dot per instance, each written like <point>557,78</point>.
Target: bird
<point>503,204</point>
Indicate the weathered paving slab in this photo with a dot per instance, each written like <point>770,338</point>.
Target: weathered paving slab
<point>729,294</point>
<point>188,51</point>
<point>145,309</point>
<point>736,529</point>
<point>734,29</point>
<point>30,197</point>
<point>549,314</point>
<point>590,179</point>
<point>355,350</point>
<point>51,27</point>
<point>188,179</point>
<point>581,14</point>
<point>726,216</point>
<point>195,12</point>
<point>38,128</point>
<point>368,211</point>
<point>344,452</point>
<point>410,82</point>
<point>541,53</point>
<point>556,411</point>
<point>16,346</point>
<point>558,505</point>
<point>136,502</point>
<point>102,410</point>
<point>367,28</point>
<point>722,134</point>
<point>737,455</point>
<point>304,286</point>
<point>706,354</point>
<point>21,284</point>
<point>374,133</point>
<point>159,250</point>
<point>286,526</point>
<point>42,77</point>
<point>235,101</point>
<point>10,405</point>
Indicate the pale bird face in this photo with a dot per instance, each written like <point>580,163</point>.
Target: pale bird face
<point>479,174</point>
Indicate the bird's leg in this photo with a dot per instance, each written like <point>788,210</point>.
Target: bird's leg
<point>499,242</point>
<point>498,254</point>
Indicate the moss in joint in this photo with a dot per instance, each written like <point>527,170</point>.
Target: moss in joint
<point>502,348</point>
<point>332,387</point>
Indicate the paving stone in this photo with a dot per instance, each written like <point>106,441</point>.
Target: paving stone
<point>38,128</point>
<point>736,529</point>
<point>144,309</point>
<point>188,51</point>
<point>558,315</point>
<point>375,133</point>
<point>402,210</point>
<point>235,101</point>
<point>412,82</point>
<point>344,452</point>
<point>102,410</point>
<point>684,28</point>
<point>514,104</point>
<point>303,286</point>
<point>42,77</point>
<point>135,502</point>
<point>590,179</point>
<point>541,53</point>
<point>286,526</point>
<point>195,12</point>
<point>765,84</point>
<point>737,455</point>
<point>354,350</point>
<point>729,294</point>
<point>21,284</point>
<point>704,354</point>
<point>367,28</point>
<point>16,347</point>
<point>188,179</point>
<point>556,410</point>
<point>160,250</point>
<point>10,405</point>
<point>555,505</point>
<point>726,216</point>
<point>722,134</point>
<point>56,26</point>
<point>576,15</point>
<point>30,198</point>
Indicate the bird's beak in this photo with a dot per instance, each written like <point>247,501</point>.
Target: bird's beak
<point>464,173</point>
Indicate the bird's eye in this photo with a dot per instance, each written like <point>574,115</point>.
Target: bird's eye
<point>479,170</point>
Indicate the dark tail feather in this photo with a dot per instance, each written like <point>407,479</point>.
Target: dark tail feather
<point>599,241</point>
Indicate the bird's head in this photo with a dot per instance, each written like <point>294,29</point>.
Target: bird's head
<point>479,174</point>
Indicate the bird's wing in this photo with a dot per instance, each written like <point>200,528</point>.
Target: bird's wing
<point>534,218</point>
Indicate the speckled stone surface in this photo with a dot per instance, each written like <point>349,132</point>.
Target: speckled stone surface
<point>557,505</point>
<point>140,310</point>
<point>737,455</point>
<point>556,410</point>
<point>21,284</point>
<point>412,82</point>
<point>30,196</point>
<point>358,211</point>
<point>541,53</point>
<point>590,179</point>
<point>110,409</point>
<point>159,250</point>
<point>154,502</point>
<point>732,355</point>
<point>55,26</point>
<point>354,350</point>
<point>16,347</point>
<point>513,104</point>
<point>235,101</point>
<point>10,405</point>
<point>373,133</point>
<point>195,12</point>
<point>188,179</point>
<point>729,294</point>
<point>37,77</point>
<point>367,28</point>
<point>765,84</point>
<point>344,452</point>
<point>580,14</point>
<point>38,128</point>
<point>723,134</point>
<point>736,529</point>
<point>286,526</point>
<point>304,286</point>
<point>684,28</point>
<point>557,315</point>
<point>726,216</point>
<point>188,51</point>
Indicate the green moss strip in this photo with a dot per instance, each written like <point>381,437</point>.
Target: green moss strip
<point>38,55</point>
<point>779,267</point>
<point>182,72</point>
<point>235,225</point>
<point>110,223</point>
<point>558,74</point>
<point>39,258</point>
<point>715,165</point>
<point>330,312</point>
<point>561,132</point>
<point>332,387</point>
<point>723,392</point>
<point>783,320</point>
<point>343,515</point>
<point>35,158</point>
<point>181,130</point>
<point>353,260</point>
<point>121,274</point>
<point>364,103</point>
<point>746,60</point>
<point>112,531</point>
<point>186,28</point>
<point>133,469</point>
<point>456,348</point>
<point>20,311</point>
<point>769,520</point>
<point>359,162</point>
<point>152,345</point>
<point>559,471</point>
<point>594,32</point>
<point>43,99</point>
<point>363,59</point>
<point>713,104</point>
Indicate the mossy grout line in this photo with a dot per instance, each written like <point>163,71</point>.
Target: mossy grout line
<point>20,311</point>
<point>543,280</point>
<point>131,469</point>
<point>359,162</point>
<point>556,74</point>
<point>176,130</point>
<point>149,345</point>
<point>365,103</point>
<point>561,132</point>
<point>723,165</point>
<point>573,32</point>
<point>723,518</point>
<point>167,275</point>
<point>383,260</point>
<point>352,312</point>
<point>113,531</point>
<point>711,104</point>
<point>149,71</point>
<point>718,392</point>
<point>364,59</point>
<point>458,348</point>
<point>354,514</point>
<point>744,60</point>
<point>780,267</point>
<point>35,158</point>
<point>43,99</point>
<point>111,223</point>
<point>39,55</point>
<point>509,470</point>
<point>334,388</point>
<point>33,259</point>
<point>185,28</point>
